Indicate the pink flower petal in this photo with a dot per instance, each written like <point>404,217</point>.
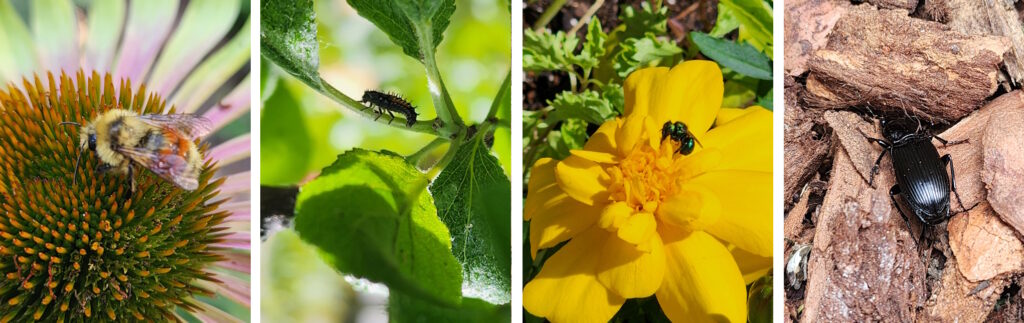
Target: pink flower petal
<point>231,107</point>
<point>144,34</point>
<point>231,151</point>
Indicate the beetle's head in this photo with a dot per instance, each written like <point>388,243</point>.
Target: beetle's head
<point>896,129</point>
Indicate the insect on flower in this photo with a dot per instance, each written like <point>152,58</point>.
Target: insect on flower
<point>678,132</point>
<point>390,103</point>
<point>162,143</point>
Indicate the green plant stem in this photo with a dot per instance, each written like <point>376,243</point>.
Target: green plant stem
<point>452,124</point>
<point>417,156</point>
<point>424,126</point>
<point>586,16</point>
<point>500,97</point>
<point>548,13</point>
<point>450,154</point>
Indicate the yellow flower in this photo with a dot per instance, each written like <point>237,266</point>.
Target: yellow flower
<point>643,219</point>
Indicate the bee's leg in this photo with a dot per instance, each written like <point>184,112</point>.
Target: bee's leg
<point>379,113</point>
<point>103,168</point>
<point>392,116</point>
<point>131,180</point>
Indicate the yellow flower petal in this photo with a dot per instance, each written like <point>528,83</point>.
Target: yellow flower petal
<point>690,92</point>
<point>745,142</point>
<point>629,271</point>
<point>560,219</point>
<point>638,228</point>
<point>752,266</point>
<point>567,289</point>
<point>630,133</point>
<point>728,114</point>
<point>603,140</point>
<point>614,215</point>
<point>583,180</point>
<point>595,156</point>
<point>542,175</point>
<point>637,89</point>
<point>693,208</point>
<point>746,201</point>
<point>702,282</point>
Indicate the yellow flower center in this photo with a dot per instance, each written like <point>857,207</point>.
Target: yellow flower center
<point>646,176</point>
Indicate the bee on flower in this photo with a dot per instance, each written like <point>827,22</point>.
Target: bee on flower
<point>646,212</point>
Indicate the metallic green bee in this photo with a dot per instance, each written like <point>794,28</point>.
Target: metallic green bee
<point>678,132</point>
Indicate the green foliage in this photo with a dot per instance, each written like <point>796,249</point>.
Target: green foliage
<point>415,25</point>
<point>742,58</point>
<point>543,51</point>
<point>370,216</point>
<point>643,52</point>
<point>284,140</point>
<point>403,308</point>
<point>753,19</point>
<point>288,38</point>
<point>472,198</point>
<point>646,20</point>
<point>589,106</point>
<point>759,300</point>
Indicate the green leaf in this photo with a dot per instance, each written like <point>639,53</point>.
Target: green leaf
<point>725,23</point>
<point>742,58</point>
<point>643,52</point>
<point>593,48</point>
<point>574,133</point>
<point>755,21</point>
<point>370,215</point>
<point>612,92</point>
<point>739,93</point>
<point>268,79</point>
<point>288,38</point>
<point>543,51</point>
<point>646,20</point>
<point>284,141</point>
<point>766,101</point>
<point>472,195</point>
<point>759,300</point>
<point>589,106</point>
<point>404,308</point>
<point>414,25</point>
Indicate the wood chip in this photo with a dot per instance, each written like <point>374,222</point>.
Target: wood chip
<point>892,62</point>
<point>808,23</point>
<point>1003,158</point>
<point>864,266</point>
<point>994,18</point>
<point>984,246</point>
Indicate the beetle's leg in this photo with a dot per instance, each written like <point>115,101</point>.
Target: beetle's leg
<point>874,169</point>
<point>895,190</point>
<point>948,143</point>
<point>392,114</point>
<point>378,114</point>
<point>952,179</point>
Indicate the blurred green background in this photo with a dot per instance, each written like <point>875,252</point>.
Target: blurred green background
<point>303,131</point>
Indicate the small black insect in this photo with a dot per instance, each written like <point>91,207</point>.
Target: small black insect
<point>390,103</point>
<point>920,172</point>
<point>678,132</point>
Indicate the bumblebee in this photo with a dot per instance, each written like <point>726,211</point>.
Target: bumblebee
<point>678,132</point>
<point>163,143</point>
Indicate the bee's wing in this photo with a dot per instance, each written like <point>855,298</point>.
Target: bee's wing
<point>171,167</point>
<point>190,125</point>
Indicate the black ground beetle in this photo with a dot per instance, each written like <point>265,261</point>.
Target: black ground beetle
<point>920,172</point>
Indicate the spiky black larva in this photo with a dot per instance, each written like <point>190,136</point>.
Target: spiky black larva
<point>390,103</point>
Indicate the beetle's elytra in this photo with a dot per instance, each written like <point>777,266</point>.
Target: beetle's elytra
<point>921,177</point>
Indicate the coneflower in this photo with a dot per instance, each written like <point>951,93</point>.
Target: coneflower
<point>82,248</point>
<point>72,248</point>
